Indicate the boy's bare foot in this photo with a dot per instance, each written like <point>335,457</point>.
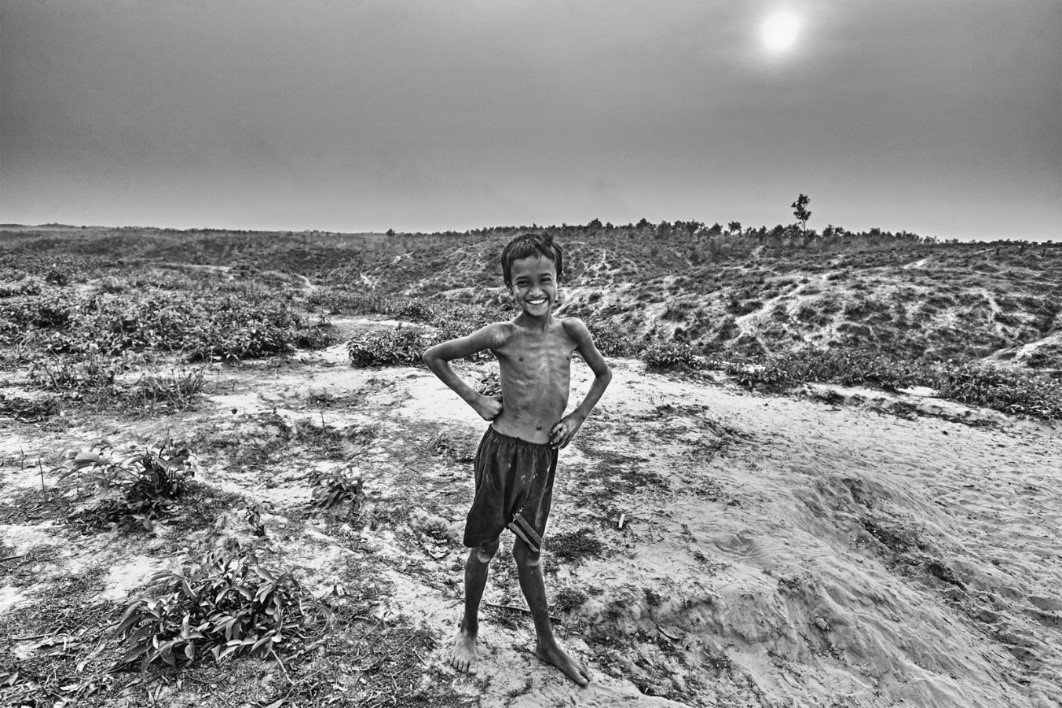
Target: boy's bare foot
<point>463,653</point>
<point>553,654</point>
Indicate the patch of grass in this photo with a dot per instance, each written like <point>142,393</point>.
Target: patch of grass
<point>575,545</point>
<point>28,410</point>
<point>62,647</point>
<point>177,389</point>
<point>567,599</point>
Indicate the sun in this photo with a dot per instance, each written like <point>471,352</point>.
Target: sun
<point>780,30</point>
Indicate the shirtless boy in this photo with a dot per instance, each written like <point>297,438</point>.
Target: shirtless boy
<point>517,457</point>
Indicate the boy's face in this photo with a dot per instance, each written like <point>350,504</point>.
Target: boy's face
<point>535,285</point>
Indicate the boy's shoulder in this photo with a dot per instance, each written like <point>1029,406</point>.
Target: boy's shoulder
<point>497,334</point>
<point>575,328</point>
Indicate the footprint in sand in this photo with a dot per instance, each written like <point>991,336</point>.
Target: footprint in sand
<point>741,545</point>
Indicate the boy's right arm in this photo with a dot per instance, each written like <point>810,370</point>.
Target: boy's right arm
<point>438,357</point>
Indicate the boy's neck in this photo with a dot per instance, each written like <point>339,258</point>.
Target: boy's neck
<point>532,322</point>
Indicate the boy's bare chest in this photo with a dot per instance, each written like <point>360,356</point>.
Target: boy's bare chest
<point>546,355</point>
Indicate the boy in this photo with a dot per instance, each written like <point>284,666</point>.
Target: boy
<point>517,457</point>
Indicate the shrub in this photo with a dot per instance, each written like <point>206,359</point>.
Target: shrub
<point>669,356</point>
<point>95,378</point>
<point>94,375</point>
<point>1001,389</point>
<point>336,487</point>
<point>225,605</point>
<point>403,345</point>
<point>617,341</point>
<point>848,367</point>
<point>179,388</point>
<point>139,489</point>
<point>205,323</point>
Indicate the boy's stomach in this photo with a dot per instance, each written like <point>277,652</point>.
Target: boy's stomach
<point>532,427</point>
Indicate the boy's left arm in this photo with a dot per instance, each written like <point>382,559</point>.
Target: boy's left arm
<point>569,425</point>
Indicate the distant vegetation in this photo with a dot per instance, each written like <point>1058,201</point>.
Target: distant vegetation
<point>84,308</point>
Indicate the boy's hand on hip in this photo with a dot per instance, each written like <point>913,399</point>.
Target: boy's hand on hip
<point>563,432</point>
<point>487,407</point>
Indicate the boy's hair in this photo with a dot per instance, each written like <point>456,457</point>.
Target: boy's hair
<point>529,245</point>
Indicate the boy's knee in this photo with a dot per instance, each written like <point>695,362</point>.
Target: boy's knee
<point>486,551</point>
<point>525,556</point>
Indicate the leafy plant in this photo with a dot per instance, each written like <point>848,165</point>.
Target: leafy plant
<point>666,356</point>
<point>403,345</point>
<point>138,489</point>
<point>224,605</point>
<point>336,487</point>
<point>203,322</point>
<point>1001,389</point>
<point>94,374</point>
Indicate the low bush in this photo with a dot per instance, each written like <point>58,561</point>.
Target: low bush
<point>203,324</point>
<point>95,379</point>
<point>1012,392</point>
<point>616,340</point>
<point>1000,389</point>
<point>338,487</point>
<point>406,344</point>
<point>131,491</point>
<point>94,376</point>
<point>401,346</point>
<point>848,367</point>
<point>224,605</point>
<point>669,356</point>
<point>177,389</point>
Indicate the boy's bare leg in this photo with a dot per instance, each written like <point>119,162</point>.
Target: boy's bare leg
<point>463,653</point>
<point>534,588</point>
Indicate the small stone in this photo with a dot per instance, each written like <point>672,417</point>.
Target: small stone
<point>821,624</point>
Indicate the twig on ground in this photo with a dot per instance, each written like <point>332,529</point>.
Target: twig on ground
<point>518,609</point>
<point>282,668</point>
<point>11,558</point>
<point>670,636</point>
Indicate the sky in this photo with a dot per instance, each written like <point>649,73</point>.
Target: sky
<point>940,117</point>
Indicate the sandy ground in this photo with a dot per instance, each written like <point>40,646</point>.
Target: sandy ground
<point>750,550</point>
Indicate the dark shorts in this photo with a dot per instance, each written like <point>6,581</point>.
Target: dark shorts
<point>514,489</point>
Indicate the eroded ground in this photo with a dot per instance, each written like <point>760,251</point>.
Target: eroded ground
<point>708,547</point>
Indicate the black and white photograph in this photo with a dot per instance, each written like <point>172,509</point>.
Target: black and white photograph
<point>502,354</point>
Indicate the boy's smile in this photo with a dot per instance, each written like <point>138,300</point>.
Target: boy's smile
<point>535,285</point>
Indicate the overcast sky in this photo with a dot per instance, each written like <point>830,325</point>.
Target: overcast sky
<point>942,117</point>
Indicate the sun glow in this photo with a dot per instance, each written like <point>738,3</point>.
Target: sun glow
<point>780,30</point>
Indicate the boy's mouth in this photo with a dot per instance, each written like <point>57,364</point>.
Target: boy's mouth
<point>536,301</point>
